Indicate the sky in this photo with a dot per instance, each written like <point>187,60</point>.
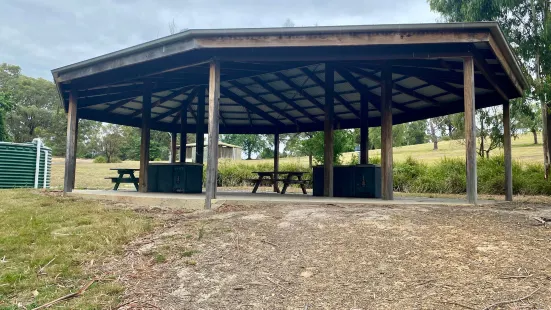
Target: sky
<point>41,35</point>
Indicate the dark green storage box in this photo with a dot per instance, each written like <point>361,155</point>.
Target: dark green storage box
<point>175,178</point>
<point>350,181</point>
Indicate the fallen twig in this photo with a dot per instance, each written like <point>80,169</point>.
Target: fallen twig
<point>41,270</point>
<point>268,242</point>
<point>68,296</point>
<point>281,286</point>
<point>542,220</point>
<point>515,276</point>
<point>152,305</point>
<point>512,300</point>
<point>124,304</point>
<point>256,283</point>
<point>456,304</point>
<point>425,282</point>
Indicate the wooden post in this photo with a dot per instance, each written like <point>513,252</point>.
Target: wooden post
<point>386,133</point>
<point>364,130</point>
<point>70,151</point>
<point>214,114</point>
<point>328,131</point>
<point>276,161</point>
<point>470,137</point>
<point>507,151</point>
<point>76,153</point>
<point>173,138</point>
<point>200,138</point>
<point>183,133</point>
<point>146,135</point>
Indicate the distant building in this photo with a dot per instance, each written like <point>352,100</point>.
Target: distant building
<point>225,150</point>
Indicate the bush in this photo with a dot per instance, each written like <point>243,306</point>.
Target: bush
<point>235,173</point>
<point>157,159</point>
<point>100,160</point>
<point>446,176</point>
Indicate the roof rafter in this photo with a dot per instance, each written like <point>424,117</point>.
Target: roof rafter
<point>488,73</point>
<point>402,89</point>
<point>247,105</point>
<point>435,81</point>
<point>164,99</point>
<point>257,97</point>
<point>373,99</point>
<point>321,84</point>
<point>117,105</point>
<point>184,103</point>
<point>301,91</point>
<point>285,99</point>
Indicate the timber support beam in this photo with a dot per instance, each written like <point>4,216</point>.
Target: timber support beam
<point>328,131</point>
<point>386,133</point>
<point>71,148</point>
<point>200,125</point>
<point>146,136</point>
<point>507,152</point>
<point>470,137</point>
<point>214,112</point>
<point>364,130</point>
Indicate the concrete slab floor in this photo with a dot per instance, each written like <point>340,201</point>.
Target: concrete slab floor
<point>196,201</point>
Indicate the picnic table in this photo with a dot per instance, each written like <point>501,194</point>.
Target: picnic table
<point>121,179</point>
<point>290,177</point>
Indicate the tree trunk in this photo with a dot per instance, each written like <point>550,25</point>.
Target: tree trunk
<point>488,154</point>
<point>535,133</point>
<point>433,136</point>
<point>481,148</point>
<point>450,130</point>
<point>310,161</point>
<point>548,144</point>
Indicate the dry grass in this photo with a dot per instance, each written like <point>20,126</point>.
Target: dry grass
<point>73,235</point>
<point>91,175</point>
<point>343,257</point>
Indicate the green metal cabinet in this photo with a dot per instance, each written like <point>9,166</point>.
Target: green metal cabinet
<point>175,178</point>
<point>350,181</point>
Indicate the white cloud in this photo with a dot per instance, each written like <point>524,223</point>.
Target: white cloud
<point>41,35</point>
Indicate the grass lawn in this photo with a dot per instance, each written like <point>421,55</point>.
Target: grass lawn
<point>92,176</point>
<point>73,235</point>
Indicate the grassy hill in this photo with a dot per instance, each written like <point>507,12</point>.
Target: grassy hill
<point>524,150</point>
<point>91,175</point>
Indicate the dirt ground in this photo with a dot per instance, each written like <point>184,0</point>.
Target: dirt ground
<point>341,257</point>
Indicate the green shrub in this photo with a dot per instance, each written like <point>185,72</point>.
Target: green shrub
<point>100,160</point>
<point>446,176</point>
<point>375,160</point>
<point>157,159</point>
<point>354,159</point>
<point>405,172</point>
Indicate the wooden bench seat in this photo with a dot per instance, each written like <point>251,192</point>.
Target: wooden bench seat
<point>123,180</point>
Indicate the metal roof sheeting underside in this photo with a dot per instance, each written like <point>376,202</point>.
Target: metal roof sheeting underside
<point>301,107</point>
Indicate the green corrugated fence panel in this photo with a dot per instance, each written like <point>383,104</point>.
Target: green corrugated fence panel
<point>18,164</point>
